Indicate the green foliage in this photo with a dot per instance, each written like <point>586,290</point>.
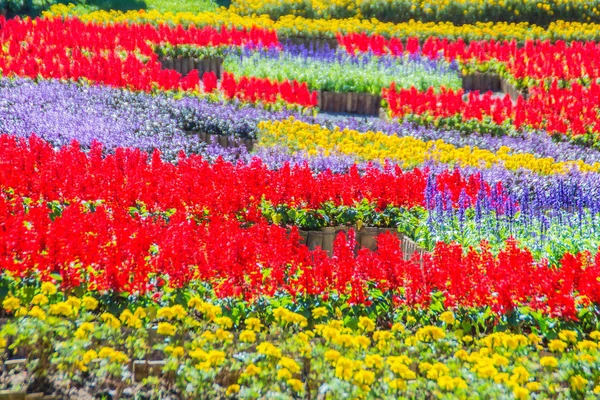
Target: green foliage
<point>345,73</point>
<point>35,7</point>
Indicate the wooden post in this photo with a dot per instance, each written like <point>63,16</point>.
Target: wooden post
<point>328,238</point>
<point>315,238</point>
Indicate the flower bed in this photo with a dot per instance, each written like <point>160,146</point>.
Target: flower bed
<point>292,27</point>
<point>205,232</point>
<point>435,11</point>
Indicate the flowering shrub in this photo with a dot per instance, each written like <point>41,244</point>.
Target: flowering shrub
<point>339,71</point>
<point>120,223</point>
<point>526,65</point>
<point>553,110</point>
<point>439,10</point>
<point>291,25</point>
<point>252,89</point>
<point>297,350</point>
<point>119,55</point>
<point>408,151</point>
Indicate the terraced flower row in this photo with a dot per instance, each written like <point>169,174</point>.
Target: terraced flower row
<point>235,351</point>
<point>153,224</point>
<point>294,26</point>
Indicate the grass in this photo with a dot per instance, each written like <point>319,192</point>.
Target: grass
<point>35,7</point>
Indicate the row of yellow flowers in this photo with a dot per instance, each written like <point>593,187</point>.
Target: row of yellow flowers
<point>295,356</point>
<point>459,12</point>
<point>295,26</point>
<point>410,152</point>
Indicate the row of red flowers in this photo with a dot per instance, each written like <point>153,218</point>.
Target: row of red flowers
<point>32,168</point>
<point>535,59</point>
<point>574,111</point>
<point>93,237</point>
<point>122,55</point>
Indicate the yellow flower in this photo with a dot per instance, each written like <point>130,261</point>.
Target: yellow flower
<point>448,317</point>
<point>362,342</point>
<point>232,389</point>
<point>587,345</point>
<point>382,336</point>
<point>49,288</point>
<point>487,371</point>
<point>557,345</point>
<point>248,336</point>
<point>585,358</point>
<point>568,336</point>
<point>105,352</point>
<point>319,312</point>
<point>373,361</point>
<point>37,312</point>
<point>398,327</point>
<point>520,375</point>
<point>88,356</point>
<point>195,303</point>
<point>253,324</point>
<point>437,370</point>
<point>521,393</point>
<point>252,370</point>
<point>215,357</point>
<point>178,311</point>
<point>119,357</point>
<point>499,360</point>
<point>366,324</point>
<point>290,364</point>
<point>130,320</point>
<point>534,339</point>
<point>166,313</point>
<point>11,304</point>
<point>40,299</point>
<point>344,369</point>
<point>398,384</point>
<point>223,335</point>
<point>74,302</point>
<point>461,354</point>
<point>446,382</point>
<point>549,362</point>
<point>430,333</point>
<point>62,308</point>
<point>284,374</point>
<point>110,320</point>
<point>364,377</point>
<point>578,383</point>
<point>597,389</point>
<point>268,349</point>
<point>165,328</point>
<point>467,339</point>
<point>332,355</point>
<point>424,367</point>
<point>534,386</point>
<point>296,385</point>
<point>224,322</point>
<point>595,335</point>
<point>175,351</point>
<point>84,330</point>
<point>21,312</point>
<point>402,370</point>
<point>89,303</point>
<point>140,313</point>
<point>198,354</point>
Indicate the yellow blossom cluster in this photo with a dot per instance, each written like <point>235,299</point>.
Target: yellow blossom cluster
<point>458,11</point>
<point>408,151</point>
<point>298,26</point>
<point>355,355</point>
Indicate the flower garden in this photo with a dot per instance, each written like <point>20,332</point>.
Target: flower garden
<point>301,200</point>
